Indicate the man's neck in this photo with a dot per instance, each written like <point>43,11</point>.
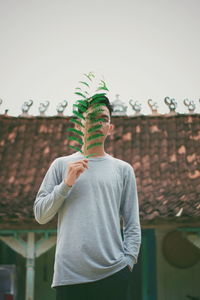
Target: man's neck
<point>98,152</point>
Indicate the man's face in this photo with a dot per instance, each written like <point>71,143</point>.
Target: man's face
<point>106,128</point>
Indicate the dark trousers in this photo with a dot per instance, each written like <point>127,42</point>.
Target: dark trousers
<point>114,287</point>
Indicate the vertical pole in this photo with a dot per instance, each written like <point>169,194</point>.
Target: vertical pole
<point>149,288</point>
<point>30,266</point>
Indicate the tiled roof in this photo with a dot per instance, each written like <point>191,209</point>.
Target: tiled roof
<point>164,151</point>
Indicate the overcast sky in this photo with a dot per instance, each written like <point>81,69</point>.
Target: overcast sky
<point>144,49</point>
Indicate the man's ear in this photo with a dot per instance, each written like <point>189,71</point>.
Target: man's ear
<point>112,126</point>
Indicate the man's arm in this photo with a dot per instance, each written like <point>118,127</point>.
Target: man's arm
<point>130,213</point>
<point>50,196</point>
<point>53,190</point>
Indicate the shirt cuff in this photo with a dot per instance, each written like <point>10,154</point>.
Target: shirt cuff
<point>63,189</point>
<point>130,260</point>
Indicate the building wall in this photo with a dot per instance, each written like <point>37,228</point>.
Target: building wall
<point>10,257</point>
<point>43,272</point>
<point>175,283</point>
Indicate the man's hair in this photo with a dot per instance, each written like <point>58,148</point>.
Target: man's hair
<point>104,100</point>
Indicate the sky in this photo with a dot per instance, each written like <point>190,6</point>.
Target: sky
<point>145,49</point>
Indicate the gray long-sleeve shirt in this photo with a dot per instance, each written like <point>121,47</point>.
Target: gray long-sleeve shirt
<point>89,242</point>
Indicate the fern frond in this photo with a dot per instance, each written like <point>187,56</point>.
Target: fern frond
<point>97,100</point>
<point>92,137</point>
<point>95,113</point>
<point>98,95</point>
<point>76,148</point>
<point>97,105</point>
<point>80,116</point>
<point>76,131</point>
<point>73,138</point>
<point>94,128</point>
<point>80,107</point>
<point>90,76</point>
<point>77,122</point>
<point>97,120</point>
<point>83,102</point>
<point>80,94</point>
<point>85,83</point>
<point>91,125</point>
<point>93,145</point>
<point>102,86</point>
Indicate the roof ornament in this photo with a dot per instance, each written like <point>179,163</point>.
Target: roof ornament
<point>43,107</point>
<point>61,107</point>
<point>172,104</point>
<point>153,106</point>
<point>190,105</point>
<point>136,106</point>
<point>119,107</point>
<point>25,108</point>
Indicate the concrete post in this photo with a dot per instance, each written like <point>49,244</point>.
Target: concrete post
<point>30,266</point>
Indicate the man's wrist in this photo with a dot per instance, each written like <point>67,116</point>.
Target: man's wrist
<point>67,184</point>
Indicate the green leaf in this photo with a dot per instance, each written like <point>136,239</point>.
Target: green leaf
<point>94,113</point>
<point>76,148</point>
<point>83,102</point>
<point>93,145</point>
<point>76,131</point>
<point>98,95</point>
<point>80,107</point>
<point>102,86</point>
<point>97,100</point>
<point>80,94</point>
<point>92,137</point>
<point>97,105</point>
<point>89,76</point>
<point>97,120</point>
<point>94,128</point>
<point>77,122</point>
<point>80,116</point>
<point>85,83</point>
<point>73,138</point>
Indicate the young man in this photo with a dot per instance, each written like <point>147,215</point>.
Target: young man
<point>92,261</point>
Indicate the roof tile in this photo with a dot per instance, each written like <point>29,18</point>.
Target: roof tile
<point>163,150</point>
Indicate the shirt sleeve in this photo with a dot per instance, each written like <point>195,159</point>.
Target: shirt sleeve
<point>130,214</point>
<point>51,195</point>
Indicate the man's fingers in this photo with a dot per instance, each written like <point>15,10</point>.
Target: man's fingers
<point>79,168</point>
<point>80,162</point>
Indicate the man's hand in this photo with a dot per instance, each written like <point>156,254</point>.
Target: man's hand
<point>129,267</point>
<point>74,171</point>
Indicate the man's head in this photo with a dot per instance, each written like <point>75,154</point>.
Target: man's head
<point>103,100</point>
<point>105,114</point>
